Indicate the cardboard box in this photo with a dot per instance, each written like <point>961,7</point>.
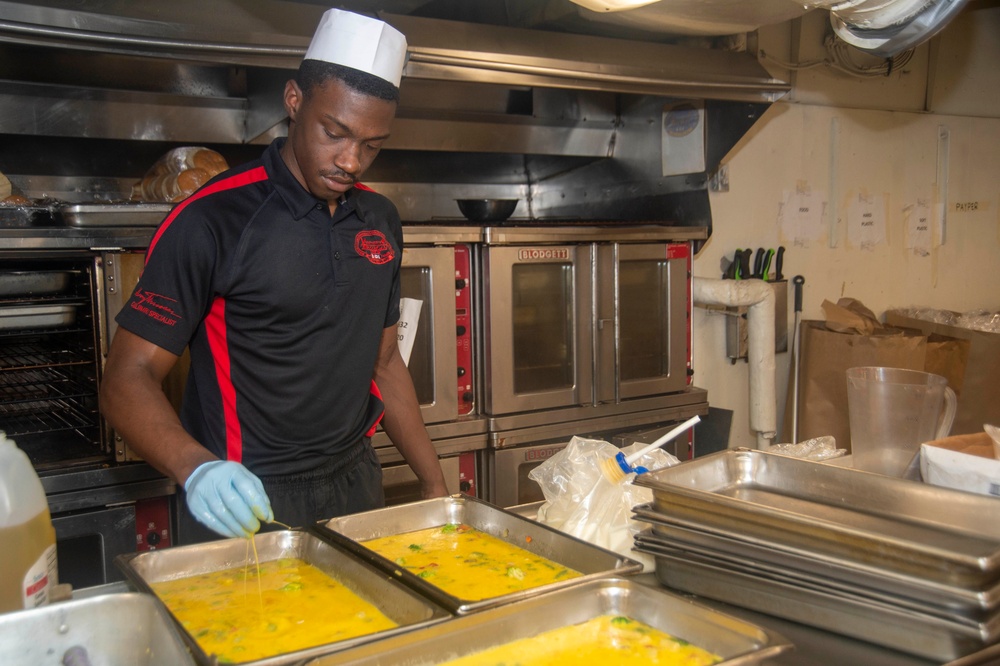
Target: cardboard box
<point>964,462</point>
<point>978,397</point>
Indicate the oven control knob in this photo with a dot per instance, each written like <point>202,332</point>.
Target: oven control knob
<point>461,283</point>
<point>460,331</point>
<point>461,371</point>
<point>153,538</point>
<point>467,397</point>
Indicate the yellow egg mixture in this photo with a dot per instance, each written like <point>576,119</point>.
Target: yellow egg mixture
<point>291,606</point>
<point>601,640</point>
<point>469,563</point>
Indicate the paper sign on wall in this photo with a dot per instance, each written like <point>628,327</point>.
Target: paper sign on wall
<point>919,232</point>
<point>409,318</point>
<point>800,216</point>
<point>866,221</point>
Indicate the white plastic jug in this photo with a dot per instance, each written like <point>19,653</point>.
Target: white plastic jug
<point>28,570</point>
<point>892,412</point>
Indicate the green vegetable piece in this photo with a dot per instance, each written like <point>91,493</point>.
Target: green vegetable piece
<point>426,574</point>
<point>621,620</point>
<point>449,528</point>
<point>291,587</point>
<point>415,547</point>
<point>515,572</point>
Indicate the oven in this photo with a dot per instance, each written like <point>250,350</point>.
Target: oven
<point>513,453</point>
<point>586,331</point>
<point>54,292</point>
<point>583,323</point>
<point>438,272</point>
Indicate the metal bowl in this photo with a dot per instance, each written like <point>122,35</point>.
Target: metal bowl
<point>487,210</point>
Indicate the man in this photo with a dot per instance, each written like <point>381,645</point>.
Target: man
<point>282,278</point>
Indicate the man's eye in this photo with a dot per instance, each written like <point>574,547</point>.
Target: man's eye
<point>330,135</point>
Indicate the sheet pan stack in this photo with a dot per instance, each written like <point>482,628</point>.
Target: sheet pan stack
<point>898,563</point>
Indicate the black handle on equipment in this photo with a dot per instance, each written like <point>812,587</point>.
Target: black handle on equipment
<point>779,260</point>
<point>798,281</point>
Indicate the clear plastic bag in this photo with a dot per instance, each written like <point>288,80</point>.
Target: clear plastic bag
<point>819,448</point>
<point>582,502</point>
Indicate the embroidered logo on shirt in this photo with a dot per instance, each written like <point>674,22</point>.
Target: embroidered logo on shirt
<point>156,306</point>
<point>373,246</point>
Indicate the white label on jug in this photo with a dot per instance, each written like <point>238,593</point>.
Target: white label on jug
<point>40,579</point>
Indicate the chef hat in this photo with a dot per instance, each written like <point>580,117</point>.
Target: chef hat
<point>361,43</point>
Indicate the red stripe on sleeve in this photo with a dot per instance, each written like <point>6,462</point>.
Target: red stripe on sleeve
<point>378,394</point>
<point>254,175</point>
<point>215,326</point>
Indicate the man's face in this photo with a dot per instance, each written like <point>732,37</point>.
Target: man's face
<point>333,136</point>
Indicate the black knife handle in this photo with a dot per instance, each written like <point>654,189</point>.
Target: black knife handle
<point>779,260</point>
<point>743,267</point>
<point>798,281</point>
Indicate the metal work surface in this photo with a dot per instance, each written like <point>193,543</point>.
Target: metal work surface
<point>115,629</point>
<point>396,601</point>
<point>880,623</point>
<point>736,641</point>
<point>589,560</point>
<point>922,530</point>
<point>833,571</point>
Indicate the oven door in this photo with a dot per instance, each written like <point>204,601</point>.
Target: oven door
<point>428,275</point>
<point>642,321</point>
<point>538,327</point>
<point>400,483</point>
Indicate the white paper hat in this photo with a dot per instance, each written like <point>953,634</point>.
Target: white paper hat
<point>359,42</point>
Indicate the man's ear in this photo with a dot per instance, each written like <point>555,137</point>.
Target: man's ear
<point>293,99</point>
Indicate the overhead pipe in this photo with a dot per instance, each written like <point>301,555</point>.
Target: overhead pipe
<point>758,297</point>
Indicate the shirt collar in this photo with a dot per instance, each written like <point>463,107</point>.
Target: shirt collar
<point>298,199</point>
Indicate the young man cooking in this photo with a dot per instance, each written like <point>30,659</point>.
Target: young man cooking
<point>282,278</point>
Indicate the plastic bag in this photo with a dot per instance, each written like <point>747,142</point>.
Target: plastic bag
<point>818,448</point>
<point>580,501</point>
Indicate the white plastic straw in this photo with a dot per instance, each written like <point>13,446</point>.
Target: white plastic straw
<point>663,440</point>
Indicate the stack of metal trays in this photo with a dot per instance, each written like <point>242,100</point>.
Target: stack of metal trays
<point>590,560</point>
<point>898,563</point>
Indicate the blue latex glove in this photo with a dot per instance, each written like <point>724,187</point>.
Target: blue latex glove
<point>227,498</point>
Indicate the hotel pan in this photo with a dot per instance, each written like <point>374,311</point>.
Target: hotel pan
<point>114,214</point>
<point>647,543</point>
<point>126,629</point>
<point>738,642</point>
<point>915,528</point>
<point>16,317</point>
<point>32,283</point>
<point>883,624</point>
<point>396,601</point>
<point>590,560</point>
<point>830,569</point>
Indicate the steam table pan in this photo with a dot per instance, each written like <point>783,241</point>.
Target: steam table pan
<point>834,571</point>
<point>406,608</point>
<point>917,529</point>
<point>126,629</point>
<point>881,623</point>
<point>739,643</point>
<point>114,214</point>
<point>591,561</point>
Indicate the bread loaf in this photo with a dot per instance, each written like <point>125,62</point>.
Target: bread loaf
<point>177,174</point>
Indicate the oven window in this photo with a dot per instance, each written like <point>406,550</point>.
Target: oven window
<point>528,490</point>
<point>644,303</point>
<point>415,283</point>
<point>543,327</point>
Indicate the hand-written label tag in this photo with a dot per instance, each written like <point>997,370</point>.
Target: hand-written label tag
<point>409,318</point>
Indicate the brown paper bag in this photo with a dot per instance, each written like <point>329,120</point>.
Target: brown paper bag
<point>823,362</point>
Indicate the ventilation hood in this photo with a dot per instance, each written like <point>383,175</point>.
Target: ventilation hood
<point>572,124</point>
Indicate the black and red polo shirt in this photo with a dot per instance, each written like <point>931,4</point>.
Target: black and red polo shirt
<point>283,308</point>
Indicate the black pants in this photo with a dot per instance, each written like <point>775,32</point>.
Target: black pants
<point>340,486</point>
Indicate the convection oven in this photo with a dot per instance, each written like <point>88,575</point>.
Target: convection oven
<point>586,331</point>
<point>54,292</point>
<point>438,272</point>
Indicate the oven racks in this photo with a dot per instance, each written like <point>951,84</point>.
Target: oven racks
<point>43,352</point>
